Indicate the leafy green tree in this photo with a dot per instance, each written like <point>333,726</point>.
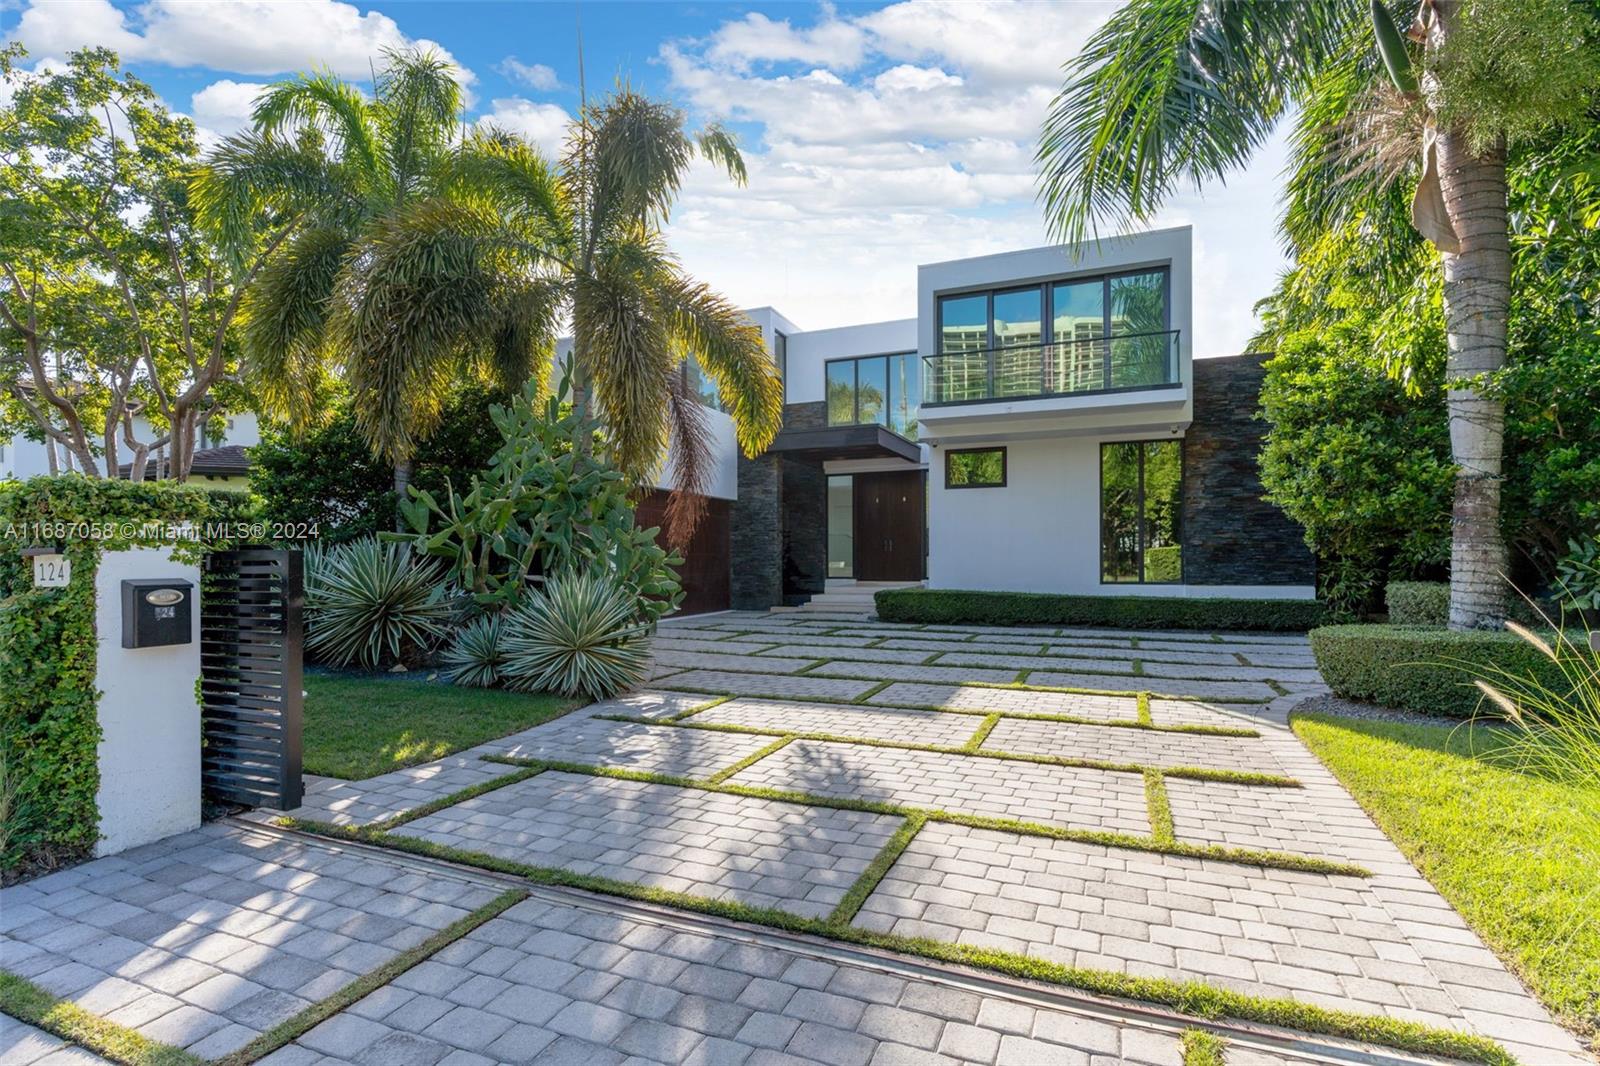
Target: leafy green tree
<point>338,169</point>
<point>1175,90</point>
<point>112,304</point>
<point>514,242</point>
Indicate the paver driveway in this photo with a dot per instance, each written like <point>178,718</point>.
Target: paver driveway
<point>1117,801</point>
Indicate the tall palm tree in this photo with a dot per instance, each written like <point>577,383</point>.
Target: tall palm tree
<point>511,243</point>
<point>1175,90</point>
<point>340,166</point>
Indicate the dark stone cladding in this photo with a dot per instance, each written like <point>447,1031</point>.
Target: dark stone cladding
<point>1231,536</point>
<point>778,543</point>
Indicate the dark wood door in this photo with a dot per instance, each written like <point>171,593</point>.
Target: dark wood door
<point>889,523</point>
<point>704,574</point>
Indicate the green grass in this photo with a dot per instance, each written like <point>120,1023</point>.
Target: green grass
<point>29,1003</point>
<point>360,726</point>
<point>1516,853</point>
<point>1201,1048</point>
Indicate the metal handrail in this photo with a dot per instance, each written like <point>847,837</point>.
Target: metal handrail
<point>1057,368</point>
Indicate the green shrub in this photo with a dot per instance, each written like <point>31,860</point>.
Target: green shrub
<point>954,606</point>
<point>541,508</point>
<point>1425,669</point>
<point>375,604</point>
<point>476,656</point>
<point>579,635</point>
<point>1417,603</point>
<point>49,724</point>
<point>1164,564</point>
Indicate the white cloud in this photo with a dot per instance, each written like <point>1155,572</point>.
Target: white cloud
<point>533,75</point>
<point>759,39</point>
<point>907,135</point>
<point>256,37</point>
<point>543,124</point>
<point>224,107</point>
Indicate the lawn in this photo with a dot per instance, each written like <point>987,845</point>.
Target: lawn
<point>360,726</point>
<point>1516,853</point>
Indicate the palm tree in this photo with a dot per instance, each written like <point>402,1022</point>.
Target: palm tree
<point>510,244</point>
<point>339,167</point>
<point>1174,90</point>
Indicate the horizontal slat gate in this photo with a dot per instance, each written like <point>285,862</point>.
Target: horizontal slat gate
<point>250,677</point>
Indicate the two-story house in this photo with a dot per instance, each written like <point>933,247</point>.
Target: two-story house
<point>1042,424</point>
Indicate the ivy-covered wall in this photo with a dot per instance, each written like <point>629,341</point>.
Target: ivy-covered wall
<point>48,724</point>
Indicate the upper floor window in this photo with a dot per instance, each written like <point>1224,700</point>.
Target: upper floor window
<point>881,389</point>
<point>1072,335</point>
<point>780,355</point>
<point>700,384</point>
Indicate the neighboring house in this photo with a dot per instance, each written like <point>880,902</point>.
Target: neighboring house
<point>220,460</point>
<point>1042,425</point>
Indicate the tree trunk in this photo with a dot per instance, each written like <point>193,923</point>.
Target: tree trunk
<point>402,481</point>
<point>1477,303</point>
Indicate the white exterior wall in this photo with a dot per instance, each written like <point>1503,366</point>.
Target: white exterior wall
<point>149,719</point>
<point>810,352</point>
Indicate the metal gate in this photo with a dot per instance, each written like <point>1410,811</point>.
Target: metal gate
<point>250,677</point>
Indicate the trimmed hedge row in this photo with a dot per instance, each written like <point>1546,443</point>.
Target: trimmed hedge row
<point>955,606</point>
<point>1417,603</point>
<point>1425,669</point>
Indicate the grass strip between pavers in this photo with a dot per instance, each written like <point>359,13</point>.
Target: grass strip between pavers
<point>866,699</point>
<point>439,803</point>
<point>749,760</point>
<point>881,864</point>
<point>1142,704</point>
<point>1203,1048</point>
<point>985,727</point>
<point>27,1002</point>
<point>292,1029</point>
<point>1277,860</point>
<point>1189,997</point>
<point>1159,807</point>
<point>1195,773</point>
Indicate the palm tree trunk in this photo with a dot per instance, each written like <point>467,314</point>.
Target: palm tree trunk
<point>1477,302</point>
<point>402,481</point>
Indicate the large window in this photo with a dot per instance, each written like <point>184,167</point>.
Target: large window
<point>881,389</point>
<point>780,355</point>
<point>1141,497</point>
<point>700,385</point>
<point>841,526</point>
<point>1072,335</point>
<point>975,468</point>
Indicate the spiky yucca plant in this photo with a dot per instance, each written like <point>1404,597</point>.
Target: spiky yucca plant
<point>578,635</point>
<point>476,656</point>
<point>372,602</point>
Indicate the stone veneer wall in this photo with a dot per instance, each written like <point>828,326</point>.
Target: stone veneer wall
<point>779,523</point>
<point>805,511</point>
<point>1231,536</point>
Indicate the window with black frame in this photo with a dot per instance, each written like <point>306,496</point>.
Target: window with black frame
<point>1141,499</point>
<point>885,390</point>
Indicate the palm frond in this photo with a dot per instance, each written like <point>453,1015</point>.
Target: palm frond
<point>286,314</point>
<point>328,104</point>
<point>253,173</point>
<point>720,146</point>
<point>418,109</point>
<point>517,181</point>
<point>1174,90</point>
<point>731,350</point>
<point>629,349</point>
<point>640,154</point>
<point>693,463</point>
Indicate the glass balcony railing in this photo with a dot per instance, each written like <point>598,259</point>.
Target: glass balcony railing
<point>1064,368</point>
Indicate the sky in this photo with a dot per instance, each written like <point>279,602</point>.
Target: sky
<point>877,136</point>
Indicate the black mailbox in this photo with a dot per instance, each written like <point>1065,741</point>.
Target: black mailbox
<point>156,612</point>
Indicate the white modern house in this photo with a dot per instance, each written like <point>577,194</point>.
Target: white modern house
<point>1042,424</point>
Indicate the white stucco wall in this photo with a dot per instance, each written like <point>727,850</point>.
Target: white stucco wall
<point>1041,532</point>
<point>808,352</point>
<point>149,719</point>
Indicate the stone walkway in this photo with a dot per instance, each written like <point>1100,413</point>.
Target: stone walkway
<point>1057,826</point>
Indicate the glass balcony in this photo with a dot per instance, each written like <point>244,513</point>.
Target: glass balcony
<point>1065,368</point>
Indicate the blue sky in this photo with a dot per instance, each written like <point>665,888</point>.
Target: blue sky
<point>878,136</point>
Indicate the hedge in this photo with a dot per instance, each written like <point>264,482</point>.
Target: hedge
<point>1423,668</point>
<point>955,606</point>
<point>49,727</point>
<point>1417,603</point>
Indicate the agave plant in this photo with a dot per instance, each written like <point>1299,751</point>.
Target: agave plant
<point>475,656</point>
<point>372,602</point>
<point>578,635</point>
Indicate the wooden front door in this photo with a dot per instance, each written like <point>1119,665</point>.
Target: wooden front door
<point>889,523</point>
